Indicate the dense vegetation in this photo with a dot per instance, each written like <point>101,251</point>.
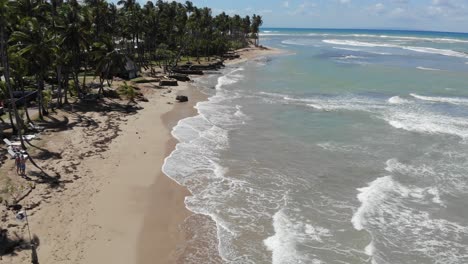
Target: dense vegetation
<point>50,46</point>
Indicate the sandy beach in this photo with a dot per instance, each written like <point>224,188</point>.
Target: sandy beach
<point>108,201</point>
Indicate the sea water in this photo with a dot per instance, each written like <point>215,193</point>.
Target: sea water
<point>352,147</point>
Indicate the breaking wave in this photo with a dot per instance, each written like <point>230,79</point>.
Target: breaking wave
<point>444,52</point>
<point>450,100</point>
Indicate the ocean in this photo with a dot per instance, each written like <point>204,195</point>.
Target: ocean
<point>351,147</point>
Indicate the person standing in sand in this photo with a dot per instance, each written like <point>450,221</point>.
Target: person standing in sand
<point>23,165</point>
<point>18,163</point>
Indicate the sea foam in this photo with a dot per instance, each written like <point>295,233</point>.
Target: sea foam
<point>444,52</point>
<point>427,69</point>
<point>398,100</point>
<point>288,235</point>
<point>450,100</point>
<point>384,210</point>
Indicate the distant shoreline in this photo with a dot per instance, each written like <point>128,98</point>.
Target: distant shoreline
<point>369,29</point>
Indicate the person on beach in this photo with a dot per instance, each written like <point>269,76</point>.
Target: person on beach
<point>18,163</point>
<point>23,165</point>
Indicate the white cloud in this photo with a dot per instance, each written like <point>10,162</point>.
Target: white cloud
<point>306,8</point>
<point>448,8</point>
<point>444,3</point>
<point>286,4</point>
<point>401,2</point>
<point>378,8</point>
<point>345,1</point>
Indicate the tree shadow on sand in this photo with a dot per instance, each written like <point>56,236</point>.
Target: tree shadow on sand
<point>11,244</point>
<point>44,178</point>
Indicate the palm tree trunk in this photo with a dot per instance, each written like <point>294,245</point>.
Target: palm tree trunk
<point>10,115</point>
<point>65,89</point>
<point>6,73</point>
<point>21,83</point>
<point>59,81</point>
<point>39,99</point>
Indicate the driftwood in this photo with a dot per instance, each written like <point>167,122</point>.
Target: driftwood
<point>182,98</point>
<point>231,56</point>
<point>179,77</point>
<point>187,71</point>
<point>197,69</point>
<point>168,82</point>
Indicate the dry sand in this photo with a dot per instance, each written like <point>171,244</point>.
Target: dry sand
<point>107,200</point>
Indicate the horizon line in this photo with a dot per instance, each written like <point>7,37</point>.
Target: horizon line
<point>389,29</point>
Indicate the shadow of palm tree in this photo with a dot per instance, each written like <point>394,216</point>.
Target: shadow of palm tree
<point>10,244</point>
<point>44,178</point>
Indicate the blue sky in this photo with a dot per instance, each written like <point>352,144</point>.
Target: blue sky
<point>440,15</point>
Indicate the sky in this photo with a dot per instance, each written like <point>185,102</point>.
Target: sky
<point>435,15</point>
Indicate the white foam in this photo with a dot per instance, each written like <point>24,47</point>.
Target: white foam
<point>394,166</point>
<point>370,197</point>
<point>438,40</point>
<point>288,235</point>
<point>337,147</point>
<point>421,121</point>
<point>383,210</point>
<point>377,191</point>
<point>239,112</point>
<point>450,100</point>
<point>292,42</point>
<point>366,51</point>
<point>398,100</point>
<point>229,78</point>
<point>349,49</point>
<point>282,244</point>
<point>316,233</point>
<point>369,249</point>
<point>350,57</point>
<point>443,52</point>
<point>396,111</point>
<point>357,43</point>
<point>318,107</point>
<point>427,69</point>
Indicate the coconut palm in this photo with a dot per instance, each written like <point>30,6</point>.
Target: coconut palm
<point>4,11</point>
<point>34,43</point>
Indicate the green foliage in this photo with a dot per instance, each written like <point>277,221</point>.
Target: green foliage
<point>3,91</point>
<point>51,41</point>
<point>46,97</point>
<point>127,91</point>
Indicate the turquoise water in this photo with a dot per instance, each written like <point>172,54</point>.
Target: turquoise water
<point>352,147</point>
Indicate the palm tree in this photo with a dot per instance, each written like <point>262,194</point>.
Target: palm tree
<point>74,37</point>
<point>4,10</point>
<point>108,62</point>
<point>256,23</point>
<point>34,43</point>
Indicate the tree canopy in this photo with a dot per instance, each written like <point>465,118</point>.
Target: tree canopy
<point>56,42</point>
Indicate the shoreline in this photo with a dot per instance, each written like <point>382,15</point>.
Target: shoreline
<point>161,236</point>
<point>112,192</point>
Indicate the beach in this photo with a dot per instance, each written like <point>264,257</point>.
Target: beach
<point>108,200</point>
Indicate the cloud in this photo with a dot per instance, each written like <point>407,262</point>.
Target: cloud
<point>345,1</point>
<point>286,4</point>
<point>454,10</point>
<point>401,2</point>
<point>306,8</point>
<point>377,9</point>
<point>444,3</point>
